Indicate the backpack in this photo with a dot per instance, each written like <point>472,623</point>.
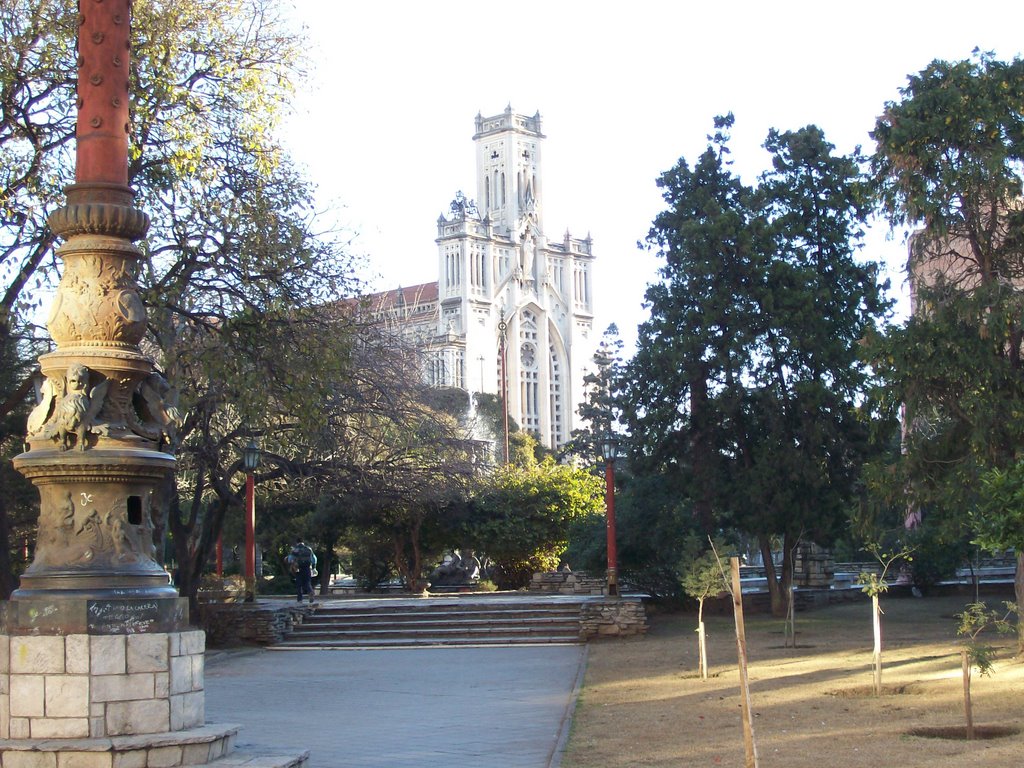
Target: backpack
<point>303,556</point>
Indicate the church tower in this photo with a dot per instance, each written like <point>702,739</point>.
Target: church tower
<point>508,168</point>
<point>497,269</point>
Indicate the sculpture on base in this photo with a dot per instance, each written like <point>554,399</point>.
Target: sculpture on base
<point>458,569</point>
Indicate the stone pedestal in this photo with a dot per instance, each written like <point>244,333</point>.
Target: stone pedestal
<point>813,566</point>
<point>124,689</point>
<point>103,683</point>
<point>95,686</point>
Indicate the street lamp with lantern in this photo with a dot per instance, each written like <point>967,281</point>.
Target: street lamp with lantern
<point>609,453</point>
<point>250,460</point>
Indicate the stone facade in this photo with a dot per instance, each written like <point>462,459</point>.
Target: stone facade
<point>500,276</point>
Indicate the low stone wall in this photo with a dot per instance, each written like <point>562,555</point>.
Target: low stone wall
<point>567,583</point>
<point>624,617</point>
<point>246,623</point>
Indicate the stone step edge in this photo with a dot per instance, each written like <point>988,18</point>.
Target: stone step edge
<point>356,643</point>
<point>335,615</point>
<point>322,608</point>
<point>242,759</point>
<point>201,735</point>
<point>440,626</point>
<point>381,631</point>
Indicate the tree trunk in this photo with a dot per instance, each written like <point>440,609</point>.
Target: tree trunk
<point>701,449</point>
<point>778,581</point>
<point>409,561</point>
<point>192,547</point>
<point>7,580</point>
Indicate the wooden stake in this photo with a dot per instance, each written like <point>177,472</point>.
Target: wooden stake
<point>968,708</point>
<point>702,651</point>
<point>877,655</point>
<point>741,646</point>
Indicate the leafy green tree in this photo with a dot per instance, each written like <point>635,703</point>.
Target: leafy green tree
<point>521,516</point>
<point>975,619</point>
<point>703,576</point>
<point>654,519</point>
<point>998,521</point>
<point>874,584</point>
<point>746,379</point>
<point>948,163</point>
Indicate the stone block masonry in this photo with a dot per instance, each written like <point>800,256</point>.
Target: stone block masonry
<point>623,617</point>
<point>567,583</point>
<point>97,686</point>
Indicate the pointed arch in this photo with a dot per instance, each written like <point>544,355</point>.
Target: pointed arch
<point>559,395</point>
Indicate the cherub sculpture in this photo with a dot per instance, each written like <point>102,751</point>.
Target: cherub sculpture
<point>77,409</point>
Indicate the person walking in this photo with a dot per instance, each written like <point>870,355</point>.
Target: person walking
<point>302,561</point>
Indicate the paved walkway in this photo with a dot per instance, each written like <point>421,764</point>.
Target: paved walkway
<point>505,707</point>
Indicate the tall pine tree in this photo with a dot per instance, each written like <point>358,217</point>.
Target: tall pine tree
<point>746,377</point>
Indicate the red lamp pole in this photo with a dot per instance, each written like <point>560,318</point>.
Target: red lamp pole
<point>250,460</point>
<point>220,556</point>
<point>250,538</point>
<point>609,501</point>
<point>609,451</point>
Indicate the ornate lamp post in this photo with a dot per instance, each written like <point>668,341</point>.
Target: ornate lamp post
<point>96,615</point>
<point>503,356</point>
<point>610,452</point>
<point>250,460</point>
<point>95,600</point>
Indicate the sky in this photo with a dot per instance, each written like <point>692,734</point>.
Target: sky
<point>384,124</point>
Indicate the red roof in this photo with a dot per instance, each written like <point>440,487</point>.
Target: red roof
<point>410,296</point>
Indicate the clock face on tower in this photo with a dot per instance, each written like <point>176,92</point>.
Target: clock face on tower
<point>528,354</point>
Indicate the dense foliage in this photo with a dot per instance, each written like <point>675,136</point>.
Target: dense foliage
<point>746,378</point>
<point>949,163</point>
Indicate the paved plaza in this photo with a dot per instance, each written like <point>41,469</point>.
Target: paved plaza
<point>505,707</point>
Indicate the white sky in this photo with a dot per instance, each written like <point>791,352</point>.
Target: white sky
<point>385,127</point>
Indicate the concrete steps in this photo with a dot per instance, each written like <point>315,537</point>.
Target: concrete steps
<point>427,622</point>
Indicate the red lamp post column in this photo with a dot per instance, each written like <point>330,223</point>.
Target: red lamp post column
<point>250,460</point>
<point>609,452</point>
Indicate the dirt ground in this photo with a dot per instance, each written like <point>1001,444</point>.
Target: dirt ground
<point>642,703</point>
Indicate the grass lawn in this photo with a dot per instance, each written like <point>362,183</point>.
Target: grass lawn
<point>642,703</point>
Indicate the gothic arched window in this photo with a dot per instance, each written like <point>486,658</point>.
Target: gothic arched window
<point>529,372</point>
